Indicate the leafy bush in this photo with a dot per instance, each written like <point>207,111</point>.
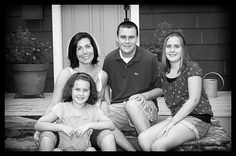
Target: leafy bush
<point>24,48</point>
<point>156,43</point>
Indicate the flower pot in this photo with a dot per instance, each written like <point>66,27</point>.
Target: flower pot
<point>29,79</point>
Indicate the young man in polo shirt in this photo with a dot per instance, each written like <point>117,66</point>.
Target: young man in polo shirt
<point>133,81</point>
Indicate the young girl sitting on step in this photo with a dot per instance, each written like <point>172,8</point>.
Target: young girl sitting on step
<point>77,115</point>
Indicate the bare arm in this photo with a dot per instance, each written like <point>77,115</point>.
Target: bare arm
<point>103,123</point>
<point>152,94</point>
<point>47,122</point>
<point>104,84</point>
<point>194,89</point>
<point>105,93</point>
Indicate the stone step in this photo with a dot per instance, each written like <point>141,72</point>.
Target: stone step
<point>19,133</point>
<point>19,137</point>
<point>20,144</point>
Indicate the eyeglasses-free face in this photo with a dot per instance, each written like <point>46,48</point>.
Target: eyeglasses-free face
<point>173,49</point>
<point>84,51</point>
<point>81,91</point>
<point>127,40</point>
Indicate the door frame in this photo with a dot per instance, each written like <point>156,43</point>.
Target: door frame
<point>57,35</point>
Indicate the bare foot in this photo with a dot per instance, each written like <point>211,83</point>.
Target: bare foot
<point>56,149</point>
<point>90,149</point>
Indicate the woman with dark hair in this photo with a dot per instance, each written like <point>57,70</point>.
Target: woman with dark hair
<point>77,115</point>
<point>83,57</point>
<point>184,95</point>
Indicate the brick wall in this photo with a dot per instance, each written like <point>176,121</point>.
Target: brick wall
<point>206,29</point>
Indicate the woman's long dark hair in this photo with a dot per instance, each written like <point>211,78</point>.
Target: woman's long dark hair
<point>74,62</point>
<point>165,63</point>
<point>67,91</point>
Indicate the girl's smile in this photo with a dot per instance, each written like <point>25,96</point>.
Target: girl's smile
<point>173,49</point>
<point>81,91</point>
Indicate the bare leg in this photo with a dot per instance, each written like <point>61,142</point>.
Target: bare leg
<point>46,144</point>
<point>90,149</point>
<point>137,116</point>
<point>177,135</point>
<point>108,143</point>
<point>122,141</point>
<point>146,137</point>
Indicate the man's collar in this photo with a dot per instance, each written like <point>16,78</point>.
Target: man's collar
<point>136,58</point>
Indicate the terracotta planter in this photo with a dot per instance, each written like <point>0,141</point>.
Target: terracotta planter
<point>29,79</point>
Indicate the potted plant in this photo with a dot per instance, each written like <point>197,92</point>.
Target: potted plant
<point>156,43</point>
<point>28,58</point>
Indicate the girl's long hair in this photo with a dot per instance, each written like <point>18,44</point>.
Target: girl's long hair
<point>67,91</point>
<point>165,63</point>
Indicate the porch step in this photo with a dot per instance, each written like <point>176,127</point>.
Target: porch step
<point>19,134</point>
<point>20,144</point>
<point>19,137</point>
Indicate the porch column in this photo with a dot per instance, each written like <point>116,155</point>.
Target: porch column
<point>57,40</point>
<point>134,15</point>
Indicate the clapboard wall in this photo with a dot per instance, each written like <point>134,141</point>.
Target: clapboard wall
<point>38,19</point>
<point>206,29</point>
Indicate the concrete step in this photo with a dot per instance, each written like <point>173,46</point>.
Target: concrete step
<point>19,133</point>
<point>20,144</point>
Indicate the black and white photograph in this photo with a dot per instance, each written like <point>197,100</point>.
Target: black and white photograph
<point>117,77</point>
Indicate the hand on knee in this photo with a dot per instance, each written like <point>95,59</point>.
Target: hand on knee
<point>132,106</point>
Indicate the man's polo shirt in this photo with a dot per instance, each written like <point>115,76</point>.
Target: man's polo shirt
<point>139,75</point>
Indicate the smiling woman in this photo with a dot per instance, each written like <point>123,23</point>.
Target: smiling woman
<point>83,57</point>
<point>84,51</point>
<point>191,112</point>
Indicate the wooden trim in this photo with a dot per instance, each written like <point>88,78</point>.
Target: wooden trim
<point>134,15</point>
<point>57,40</point>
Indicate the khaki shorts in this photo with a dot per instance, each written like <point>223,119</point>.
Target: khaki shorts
<point>199,127</point>
<point>120,117</point>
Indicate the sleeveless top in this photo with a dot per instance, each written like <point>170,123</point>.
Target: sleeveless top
<point>98,81</point>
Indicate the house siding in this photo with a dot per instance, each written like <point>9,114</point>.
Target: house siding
<point>206,29</point>
<point>41,28</point>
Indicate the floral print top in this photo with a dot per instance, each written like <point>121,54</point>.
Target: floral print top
<point>176,92</point>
